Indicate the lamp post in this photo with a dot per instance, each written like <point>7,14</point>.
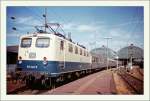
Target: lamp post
<point>131,62</point>
<point>117,62</point>
<point>131,55</point>
<point>107,38</point>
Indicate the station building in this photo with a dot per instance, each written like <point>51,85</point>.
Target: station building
<point>102,51</point>
<point>131,54</point>
<point>12,54</point>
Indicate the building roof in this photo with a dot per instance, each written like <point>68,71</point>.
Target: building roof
<point>103,52</point>
<point>127,52</point>
<point>13,49</point>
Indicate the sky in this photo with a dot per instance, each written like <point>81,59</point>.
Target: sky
<point>88,26</point>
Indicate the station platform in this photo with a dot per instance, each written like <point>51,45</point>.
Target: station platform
<point>98,83</point>
<point>106,82</point>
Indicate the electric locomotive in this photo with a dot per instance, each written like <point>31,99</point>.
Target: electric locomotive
<point>44,56</point>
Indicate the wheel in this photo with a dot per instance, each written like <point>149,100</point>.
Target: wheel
<point>30,80</point>
<point>53,82</point>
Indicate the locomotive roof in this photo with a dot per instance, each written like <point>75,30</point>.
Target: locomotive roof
<point>49,34</point>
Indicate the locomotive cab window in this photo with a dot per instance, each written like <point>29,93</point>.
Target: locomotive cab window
<point>42,42</point>
<point>26,42</point>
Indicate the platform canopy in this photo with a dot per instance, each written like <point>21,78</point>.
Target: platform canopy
<point>131,51</point>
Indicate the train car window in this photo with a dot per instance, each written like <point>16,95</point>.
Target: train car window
<point>61,45</point>
<point>26,42</point>
<point>100,59</point>
<point>93,59</point>
<point>80,51</point>
<point>87,54</point>
<point>42,42</point>
<point>76,50</point>
<point>97,60</point>
<point>70,49</point>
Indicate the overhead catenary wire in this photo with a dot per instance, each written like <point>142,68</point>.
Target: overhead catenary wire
<point>59,17</point>
<point>14,19</point>
<point>37,15</point>
<point>46,15</point>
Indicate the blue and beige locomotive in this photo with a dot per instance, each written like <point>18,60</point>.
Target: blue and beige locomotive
<point>46,55</point>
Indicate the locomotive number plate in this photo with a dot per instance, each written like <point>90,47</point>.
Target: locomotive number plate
<point>32,55</point>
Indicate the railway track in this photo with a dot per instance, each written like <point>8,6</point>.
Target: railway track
<point>31,90</point>
<point>20,89</point>
<point>134,83</point>
<point>23,90</point>
<point>39,89</point>
<point>140,72</point>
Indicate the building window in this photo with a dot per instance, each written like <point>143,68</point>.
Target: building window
<point>76,50</point>
<point>61,45</point>
<point>70,49</point>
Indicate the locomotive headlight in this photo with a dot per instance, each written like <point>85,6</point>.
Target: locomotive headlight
<point>45,62</point>
<point>20,61</point>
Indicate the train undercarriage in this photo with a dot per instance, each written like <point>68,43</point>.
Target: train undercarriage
<point>42,81</point>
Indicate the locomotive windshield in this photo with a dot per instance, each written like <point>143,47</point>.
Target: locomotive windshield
<point>42,42</point>
<point>26,42</point>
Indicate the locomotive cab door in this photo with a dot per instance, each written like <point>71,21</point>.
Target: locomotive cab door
<point>63,54</point>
